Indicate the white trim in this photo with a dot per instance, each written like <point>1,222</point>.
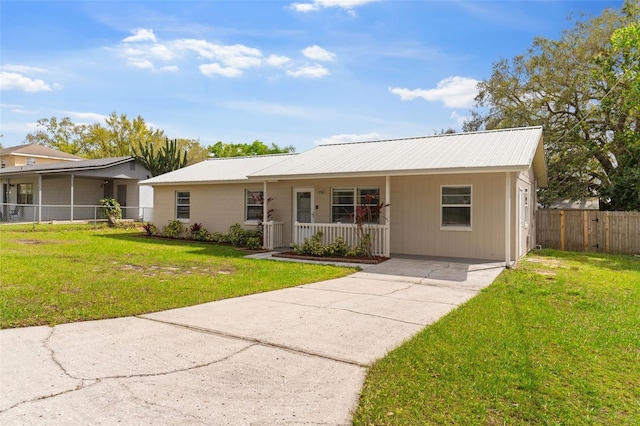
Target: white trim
<point>248,221</point>
<point>182,219</point>
<point>470,205</point>
<point>507,220</point>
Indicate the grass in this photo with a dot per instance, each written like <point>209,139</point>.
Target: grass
<point>555,341</point>
<point>54,274</point>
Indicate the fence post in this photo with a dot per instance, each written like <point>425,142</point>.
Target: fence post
<point>562,224</point>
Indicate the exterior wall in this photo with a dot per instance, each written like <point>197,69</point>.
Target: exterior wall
<point>218,206</point>
<point>414,211</point>
<point>20,160</point>
<point>416,217</point>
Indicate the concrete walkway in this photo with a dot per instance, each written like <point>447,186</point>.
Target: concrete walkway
<point>294,356</point>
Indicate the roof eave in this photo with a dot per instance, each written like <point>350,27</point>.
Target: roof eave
<point>457,170</point>
<point>187,182</point>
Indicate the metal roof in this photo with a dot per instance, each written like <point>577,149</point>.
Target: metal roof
<point>495,150</point>
<point>231,169</point>
<point>66,166</point>
<point>35,150</point>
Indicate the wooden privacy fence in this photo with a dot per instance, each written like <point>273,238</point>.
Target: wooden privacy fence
<point>589,230</point>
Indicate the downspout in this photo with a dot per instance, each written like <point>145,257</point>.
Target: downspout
<point>507,221</point>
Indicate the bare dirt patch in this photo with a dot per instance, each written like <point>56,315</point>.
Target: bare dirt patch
<point>32,242</point>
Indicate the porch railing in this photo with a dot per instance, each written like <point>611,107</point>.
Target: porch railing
<point>273,234</point>
<point>11,212</point>
<point>348,231</point>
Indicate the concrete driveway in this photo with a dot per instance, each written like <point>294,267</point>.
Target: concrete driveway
<point>294,356</point>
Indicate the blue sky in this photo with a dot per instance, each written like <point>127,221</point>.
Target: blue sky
<point>293,73</point>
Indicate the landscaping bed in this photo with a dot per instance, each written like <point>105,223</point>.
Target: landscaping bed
<point>374,260</point>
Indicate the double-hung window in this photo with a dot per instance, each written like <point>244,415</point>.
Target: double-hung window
<point>349,203</point>
<point>253,205</point>
<point>456,207</point>
<point>183,205</point>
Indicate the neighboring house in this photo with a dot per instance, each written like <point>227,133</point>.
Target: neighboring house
<point>70,190</point>
<point>29,155</point>
<point>467,195</point>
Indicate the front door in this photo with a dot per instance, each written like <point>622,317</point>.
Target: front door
<point>303,212</point>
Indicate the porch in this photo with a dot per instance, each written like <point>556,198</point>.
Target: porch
<point>349,232</point>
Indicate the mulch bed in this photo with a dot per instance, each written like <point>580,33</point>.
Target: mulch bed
<point>351,259</point>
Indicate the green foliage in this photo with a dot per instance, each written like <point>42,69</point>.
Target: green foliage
<point>173,229</point>
<point>110,208</point>
<point>107,273</point>
<point>314,247</point>
<point>584,89</point>
<point>198,233</point>
<point>167,159</point>
<point>150,229</point>
<point>553,341</point>
<point>220,149</point>
<point>240,237</point>
<point>116,137</point>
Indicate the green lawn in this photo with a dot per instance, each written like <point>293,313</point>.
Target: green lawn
<point>59,273</point>
<point>555,341</point>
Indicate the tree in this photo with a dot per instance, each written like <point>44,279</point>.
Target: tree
<point>117,137</point>
<point>220,149</point>
<point>195,151</point>
<point>167,159</point>
<point>580,88</point>
<point>63,135</point>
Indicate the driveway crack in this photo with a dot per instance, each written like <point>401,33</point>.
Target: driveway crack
<point>259,342</point>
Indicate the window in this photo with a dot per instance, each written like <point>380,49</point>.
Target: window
<point>456,207</point>
<point>253,205</point>
<point>30,161</point>
<point>3,163</point>
<point>346,202</point>
<point>183,208</point>
<point>25,193</point>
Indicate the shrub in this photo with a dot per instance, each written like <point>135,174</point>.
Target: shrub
<point>199,233</point>
<point>110,209</point>
<point>150,229</point>
<point>174,229</point>
<point>313,247</point>
<point>254,243</point>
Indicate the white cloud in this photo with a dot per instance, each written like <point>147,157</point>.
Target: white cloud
<point>161,52</point>
<point>141,34</point>
<point>312,71</point>
<point>305,7</point>
<point>219,52</point>
<point>88,116</point>
<point>348,138</point>
<point>141,63</point>
<point>317,53</point>
<point>15,81</point>
<point>170,68</point>
<point>23,69</point>
<point>278,61</point>
<point>454,92</point>
<point>316,5</point>
<point>459,119</point>
<point>215,69</point>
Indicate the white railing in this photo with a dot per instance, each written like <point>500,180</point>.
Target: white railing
<point>11,212</point>
<point>273,234</point>
<point>348,231</point>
